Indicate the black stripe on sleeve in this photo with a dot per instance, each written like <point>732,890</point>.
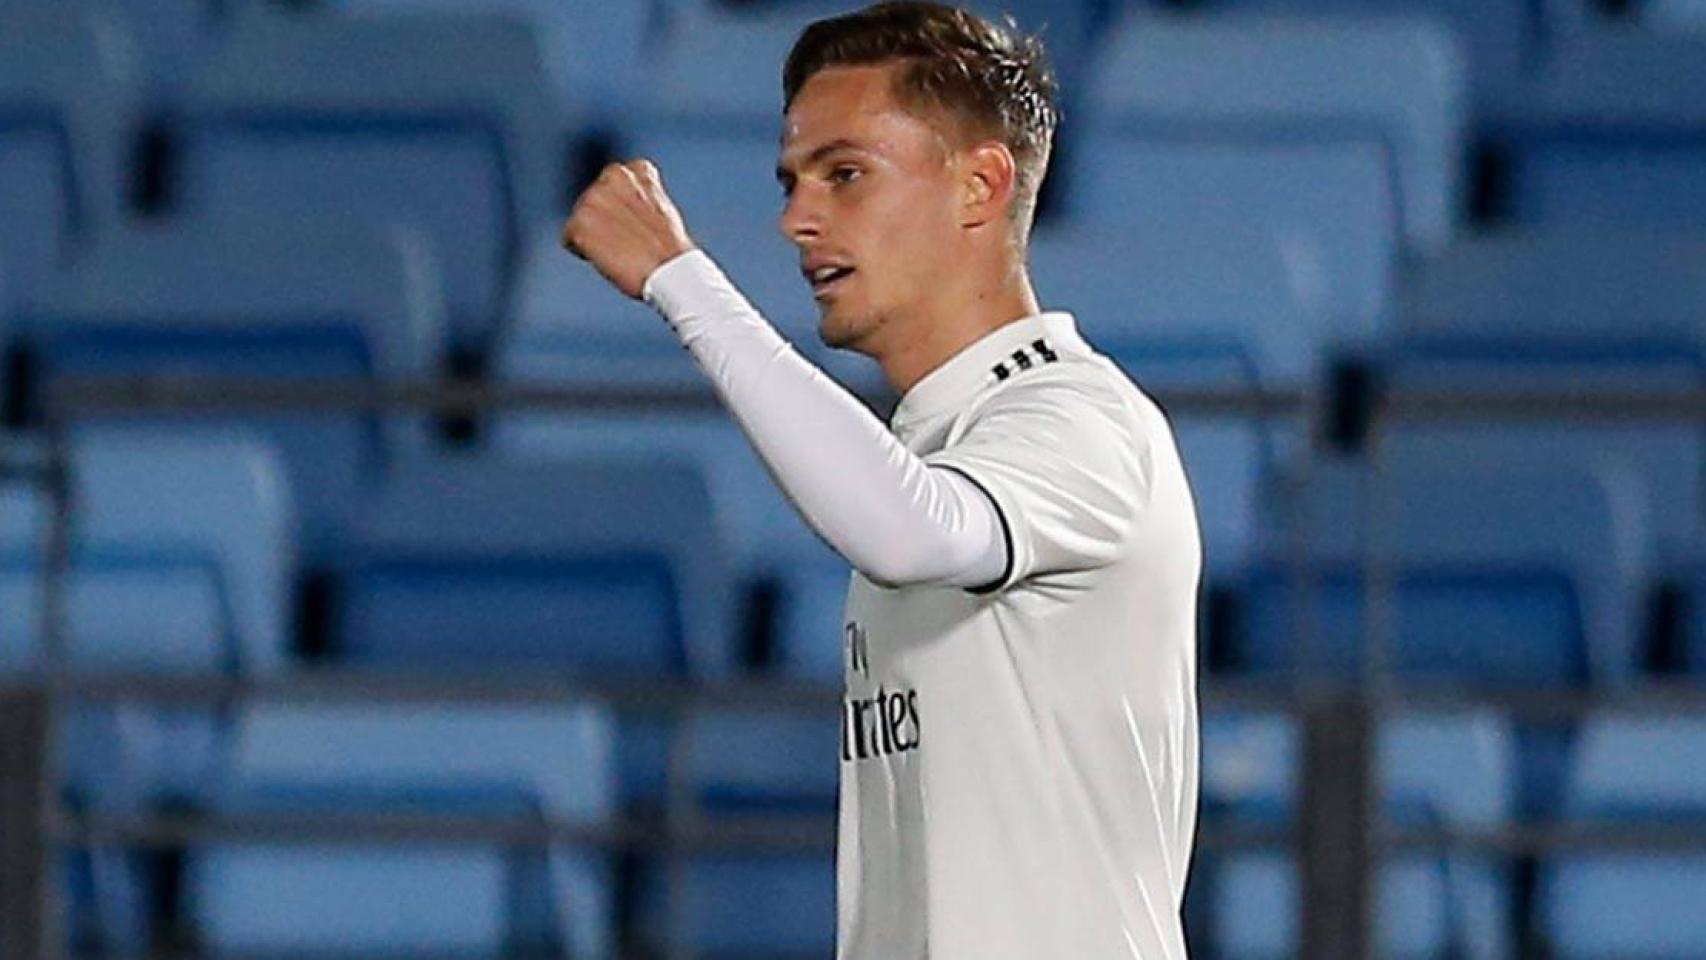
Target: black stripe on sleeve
<point>1006,531</point>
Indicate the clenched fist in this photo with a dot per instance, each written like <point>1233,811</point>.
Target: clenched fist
<point>626,226</point>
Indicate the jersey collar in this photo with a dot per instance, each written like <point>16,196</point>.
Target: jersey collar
<point>1002,354</point>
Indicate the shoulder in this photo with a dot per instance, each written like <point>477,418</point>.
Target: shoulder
<point>1082,394</point>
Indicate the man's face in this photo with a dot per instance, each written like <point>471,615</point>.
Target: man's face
<point>871,200</point>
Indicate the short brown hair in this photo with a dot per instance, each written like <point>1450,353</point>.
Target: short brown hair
<point>995,78</point>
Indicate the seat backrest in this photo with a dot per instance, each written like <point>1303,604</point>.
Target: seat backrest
<point>327,301</point>
<point>67,112</point>
<point>602,565</point>
<point>593,53</point>
<point>1567,310</point>
<point>1397,84</point>
<point>1607,132</point>
<point>1504,591</point>
<point>399,757</point>
<point>440,122</point>
<point>1635,903</point>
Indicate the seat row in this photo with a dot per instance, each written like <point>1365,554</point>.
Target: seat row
<point>1441,774</point>
<point>1345,135</point>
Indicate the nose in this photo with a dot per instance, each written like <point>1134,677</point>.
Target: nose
<point>801,220</point>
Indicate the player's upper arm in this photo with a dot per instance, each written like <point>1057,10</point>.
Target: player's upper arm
<point>1067,462</point>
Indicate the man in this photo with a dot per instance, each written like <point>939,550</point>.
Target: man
<point>1019,740</point>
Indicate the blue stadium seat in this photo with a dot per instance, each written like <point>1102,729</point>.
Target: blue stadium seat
<point>179,564</point>
<point>1679,14</point>
<point>1345,132</point>
<point>67,112</point>
<point>1196,308</point>
<point>549,762</point>
<point>1502,39</point>
<point>1609,132</point>
<point>442,123</point>
<point>610,568</point>
<point>1504,572</point>
<point>1628,903</point>
<point>1570,310</point>
<point>761,903</point>
<point>594,53</point>
<point>1445,771</point>
<point>292,302</point>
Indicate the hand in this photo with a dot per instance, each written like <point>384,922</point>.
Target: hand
<point>626,226</point>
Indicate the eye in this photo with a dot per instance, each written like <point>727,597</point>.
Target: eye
<point>844,174</point>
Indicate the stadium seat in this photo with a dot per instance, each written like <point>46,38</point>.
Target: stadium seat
<point>1629,903</point>
<point>292,302</point>
<point>1608,133</point>
<point>594,53</point>
<point>605,568</point>
<point>1434,771</point>
<point>442,123</point>
<point>1504,572</point>
<point>67,113</point>
<point>1502,39</point>
<point>758,903</point>
<point>547,762</point>
<point>179,564</point>
<point>1677,14</point>
<point>1572,310</point>
<point>1195,308</point>
<point>1348,133</point>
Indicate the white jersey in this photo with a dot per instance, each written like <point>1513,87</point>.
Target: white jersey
<point>1019,764</point>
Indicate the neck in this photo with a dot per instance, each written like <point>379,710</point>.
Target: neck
<point>939,331</point>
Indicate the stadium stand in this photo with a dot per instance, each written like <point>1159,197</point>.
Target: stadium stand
<point>178,565</point>
<point>1628,903</point>
<point>485,557</point>
<point>594,54</point>
<point>442,123</point>
<point>272,302</point>
<point>1569,309</point>
<point>1547,556</point>
<point>550,763</point>
<point>1221,121</point>
<point>1608,131</point>
<point>754,904</point>
<point>67,106</point>
<point>1434,772</point>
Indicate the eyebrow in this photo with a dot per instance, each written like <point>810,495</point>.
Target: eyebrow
<point>818,153</point>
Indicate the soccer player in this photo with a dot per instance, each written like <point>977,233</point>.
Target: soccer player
<point>1019,734</point>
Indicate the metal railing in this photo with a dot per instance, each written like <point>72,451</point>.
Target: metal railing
<point>1338,719</point>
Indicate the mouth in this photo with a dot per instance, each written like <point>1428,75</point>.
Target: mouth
<point>827,279</point>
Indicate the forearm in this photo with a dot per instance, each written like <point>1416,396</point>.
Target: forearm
<point>893,517</point>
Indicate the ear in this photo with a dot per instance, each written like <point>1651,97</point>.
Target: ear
<point>988,178</point>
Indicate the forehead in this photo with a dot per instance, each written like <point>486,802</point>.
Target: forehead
<point>851,103</point>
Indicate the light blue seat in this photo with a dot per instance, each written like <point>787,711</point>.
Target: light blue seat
<point>1195,308</point>
<point>1608,133</point>
<point>1433,771</point>
<point>1536,578</point>
<point>549,762</point>
<point>1502,39</point>
<point>442,123</point>
<point>1570,310</point>
<point>67,112</point>
<point>744,764</point>
<point>180,563</point>
<point>1345,132</point>
<point>1678,14</point>
<point>594,53</point>
<point>1630,903</point>
<point>292,302</point>
<point>609,568</point>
